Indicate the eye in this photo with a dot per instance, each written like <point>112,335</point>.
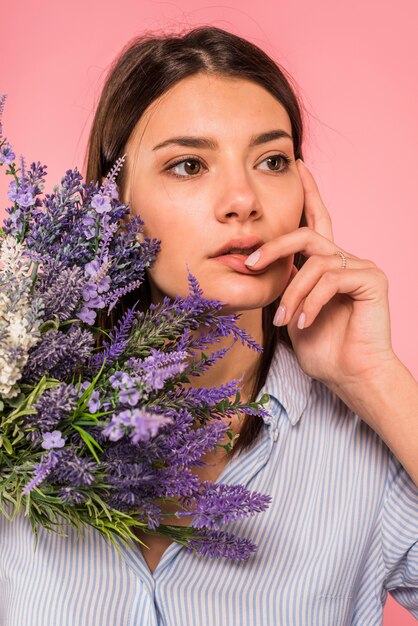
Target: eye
<point>279,163</point>
<point>191,166</point>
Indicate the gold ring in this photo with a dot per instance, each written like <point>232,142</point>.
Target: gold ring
<point>343,258</point>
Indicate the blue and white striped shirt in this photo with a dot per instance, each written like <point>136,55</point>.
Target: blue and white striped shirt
<point>341,532</point>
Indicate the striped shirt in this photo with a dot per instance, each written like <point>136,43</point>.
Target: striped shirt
<point>340,534</point>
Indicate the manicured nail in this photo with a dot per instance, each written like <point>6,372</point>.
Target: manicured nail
<point>301,321</point>
<point>253,258</point>
<point>280,315</point>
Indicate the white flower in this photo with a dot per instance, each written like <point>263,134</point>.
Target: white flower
<point>20,315</point>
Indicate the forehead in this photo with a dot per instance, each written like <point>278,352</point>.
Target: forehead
<point>211,104</point>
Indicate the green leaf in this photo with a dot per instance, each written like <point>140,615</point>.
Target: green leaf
<point>89,441</point>
<point>15,402</point>
<point>85,397</point>
<point>50,325</point>
<point>5,443</point>
<point>237,398</point>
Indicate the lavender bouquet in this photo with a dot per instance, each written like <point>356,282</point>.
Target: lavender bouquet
<point>101,433</point>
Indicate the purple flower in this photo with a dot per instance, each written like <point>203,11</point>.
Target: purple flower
<point>84,385</point>
<point>6,154</point>
<point>111,189</point>
<point>146,425</point>
<point>42,470</point>
<point>101,203</point>
<point>94,402</point>
<point>51,407</point>
<point>86,315</point>
<point>160,366</point>
<point>118,342</point>
<point>25,199</point>
<point>70,496</point>
<point>88,220</point>
<point>13,192</point>
<point>89,292</point>
<point>91,269</point>
<point>220,504</point>
<point>220,544</point>
<point>103,284</point>
<point>59,354</point>
<point>73,470</point>
<point>53,440</point>
<point>129,396</point>
<point>119,379</point>
<point>143,425</point>
<point>89,224</point>
<point>60,289</point>
<point>115,430</point>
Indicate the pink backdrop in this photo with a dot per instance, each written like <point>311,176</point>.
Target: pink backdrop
<point>355,62</point>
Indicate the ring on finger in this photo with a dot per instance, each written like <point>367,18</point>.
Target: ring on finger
<point>343,259</point>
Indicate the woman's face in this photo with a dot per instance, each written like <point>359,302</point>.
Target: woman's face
<point>222,181</point>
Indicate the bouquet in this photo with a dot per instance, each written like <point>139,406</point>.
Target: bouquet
<point>99,428</point>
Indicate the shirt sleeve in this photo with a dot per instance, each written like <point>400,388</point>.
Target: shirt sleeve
<point>400,537</point>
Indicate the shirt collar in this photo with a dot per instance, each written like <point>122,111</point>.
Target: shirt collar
<point>288,383</point>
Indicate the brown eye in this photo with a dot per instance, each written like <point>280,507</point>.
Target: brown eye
<point>277,163</point>
<point>185,168</point>
<point>191,166</point>
<point>274,162</point>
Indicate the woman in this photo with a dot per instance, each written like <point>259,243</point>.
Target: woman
<point>213,135</point>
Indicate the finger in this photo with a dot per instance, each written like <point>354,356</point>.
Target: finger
<point>307,279</point>
<point>317,215</point>
<point>304,240</point>
<point>353,283</point>
<point>293,273</point>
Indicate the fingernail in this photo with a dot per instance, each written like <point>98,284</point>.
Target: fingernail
<point>280,315</point>
<point>300,161</point>
<point>301,321</point>
<point>253,258</point>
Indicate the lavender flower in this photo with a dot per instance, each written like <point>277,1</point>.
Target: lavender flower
<point>2,103</point>
<point>142,425</point>
<point>220,544</point>
<point>73,470</point>
<point>129,396</point>
<point>53,440</point>
<point>71,496</point>
<point>52,407</point>
<point>220,504</point>
<point>94,401</point>
<point>60,289</point>
<point>110,432</point>
<point>42,470</point>
<point>58,354</point>
<point>160,366</point>
<point>121,379</point>
<point>118,342</point>
<point>101,203</point>
<point>6,154</point>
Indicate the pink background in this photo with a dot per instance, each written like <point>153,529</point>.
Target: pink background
<point>355,62</point>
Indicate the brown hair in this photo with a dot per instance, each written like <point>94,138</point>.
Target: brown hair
<point>147,67</point>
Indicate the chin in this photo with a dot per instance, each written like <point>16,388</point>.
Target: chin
<point>241,297</point>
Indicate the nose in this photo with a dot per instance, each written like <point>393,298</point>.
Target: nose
<point>238,199</point>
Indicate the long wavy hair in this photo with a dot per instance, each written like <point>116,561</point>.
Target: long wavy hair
<point>144,70</point>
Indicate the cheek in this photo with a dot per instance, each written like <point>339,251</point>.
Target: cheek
<point>286,211</point>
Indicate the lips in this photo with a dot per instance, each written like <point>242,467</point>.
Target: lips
<point>245,245</point>
<point>227,254</point>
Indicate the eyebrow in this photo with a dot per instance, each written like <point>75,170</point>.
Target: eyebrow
<point>210,144</point>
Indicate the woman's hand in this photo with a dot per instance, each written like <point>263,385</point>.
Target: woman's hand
<point>344,313</point>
